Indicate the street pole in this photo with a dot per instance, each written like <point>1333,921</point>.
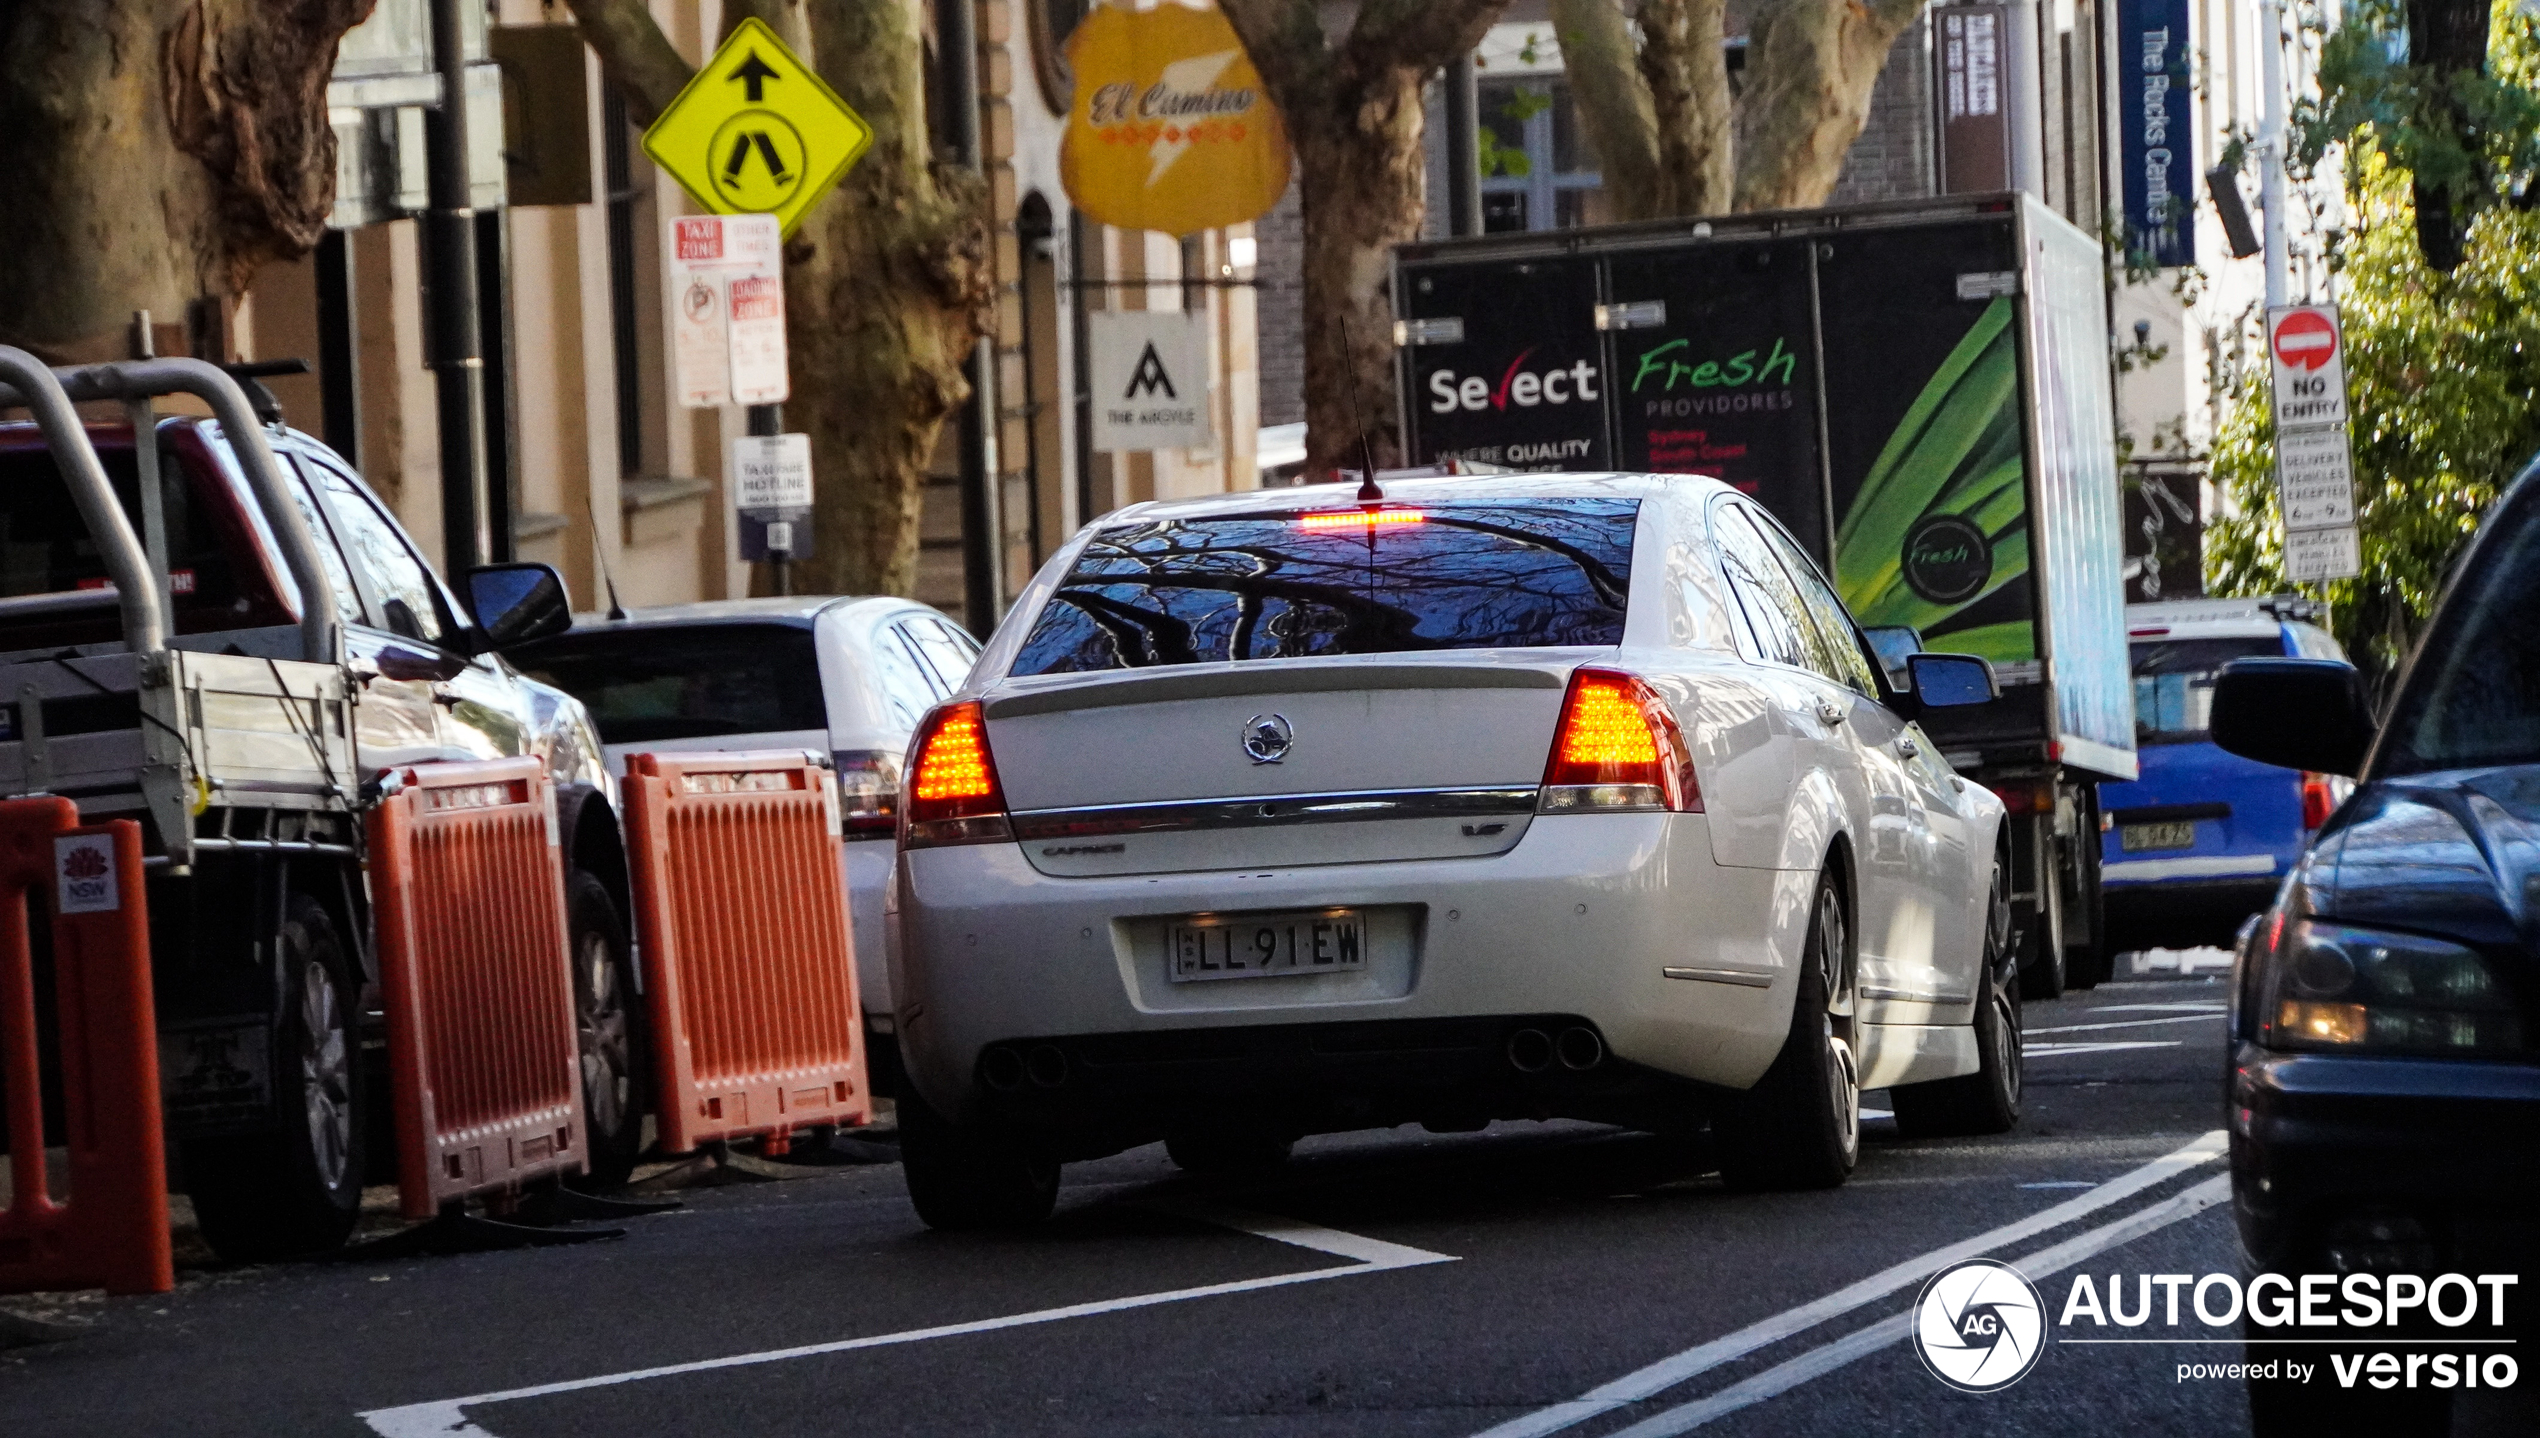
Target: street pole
<point>455,358</point>
<point>1463,149</point>
<point>982,545</point>
<point>766,421</point>
<point>2271,146</point>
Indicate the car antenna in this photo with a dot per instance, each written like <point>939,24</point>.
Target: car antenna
<point>617,611</point>
<point>1368,491</point>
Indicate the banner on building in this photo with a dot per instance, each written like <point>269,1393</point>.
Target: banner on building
<point>1171,129</point>
<point>726,278</point>
<point>1972,52</point>
<point>1150,379</point>
<point>2156,131</point>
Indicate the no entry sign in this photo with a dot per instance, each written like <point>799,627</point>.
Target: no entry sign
<point>2310,366</point>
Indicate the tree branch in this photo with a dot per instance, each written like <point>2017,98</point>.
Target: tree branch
<point>1418,35</point>
<point>1613,101</point>
<point>1285,40</point>
<point>638,57</point>
<point>1684,63</point>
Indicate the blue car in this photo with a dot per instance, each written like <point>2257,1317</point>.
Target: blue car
<point>2201,840</point>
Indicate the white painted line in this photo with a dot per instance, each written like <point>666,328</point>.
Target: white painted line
<point>446,1418</point>
<point>2201,1006</point>
<point>2128,1023</point>
<point>1646,1383</point>
<point>2065,1051</point>
<point>1889,1331</point>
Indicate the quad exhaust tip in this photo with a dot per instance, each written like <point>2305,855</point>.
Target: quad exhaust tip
<point>1047,1064</point>
<point>1530,1051</point>
<point>1579,1048</point>
<point>1001,1068</point>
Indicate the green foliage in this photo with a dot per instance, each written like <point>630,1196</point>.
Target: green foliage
<point>1513,109</point>
<point>2443,383</point>
<point>2470,139</point>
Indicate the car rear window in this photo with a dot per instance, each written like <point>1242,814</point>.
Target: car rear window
<point>45,547</point>
<point>643,685</point>
<point>2174,684</point>
<point>1409,578</point>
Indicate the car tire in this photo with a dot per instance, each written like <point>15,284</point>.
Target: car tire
<point>265,1196</point>
<point>2043,974</point>
<point>1229,1151</point>
<point>1988,1100</point>
<point>1800,1125</point>
<point>609,1033</point>
<point>966,1177</point>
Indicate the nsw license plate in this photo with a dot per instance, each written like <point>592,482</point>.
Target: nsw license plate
<point>1266,946</point>
<point>2135,838</point>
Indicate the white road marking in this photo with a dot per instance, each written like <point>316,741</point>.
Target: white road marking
<point>446,1418</point>
<point>2065,1051</point>
<point>1646,1383</point>
<point>1889,1331</point>
<point>2202,1006</point>
<point>2128,1023</point>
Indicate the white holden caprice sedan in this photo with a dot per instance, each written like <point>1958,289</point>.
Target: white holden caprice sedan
<point>1540,796</point>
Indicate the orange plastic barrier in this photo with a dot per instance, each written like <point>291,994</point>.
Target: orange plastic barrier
<point>468,886</point>
<point>747,958</point>
<point>113,1229</point>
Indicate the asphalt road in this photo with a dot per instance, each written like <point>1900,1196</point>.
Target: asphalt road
<point>1394,1283</point>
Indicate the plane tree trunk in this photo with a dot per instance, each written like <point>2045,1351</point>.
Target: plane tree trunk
<point>159,153</point>
<point>1353,112</point>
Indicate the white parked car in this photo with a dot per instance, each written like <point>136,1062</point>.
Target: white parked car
<point>1281,813</point>
<point>848,677</point>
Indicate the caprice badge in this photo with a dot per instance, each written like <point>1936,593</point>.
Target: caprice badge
<point>1268,737</point>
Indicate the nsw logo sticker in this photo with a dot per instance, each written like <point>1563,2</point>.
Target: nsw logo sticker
<point>84,874</point>
<point>1979,1325</point>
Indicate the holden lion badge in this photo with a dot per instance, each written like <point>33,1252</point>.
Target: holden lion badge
<point>1268,737</point>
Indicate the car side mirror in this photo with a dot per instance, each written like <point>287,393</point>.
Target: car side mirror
<point>516,603</point>
<point>418,666</point>
<point>2293,713</point>
<point>1951,681</point>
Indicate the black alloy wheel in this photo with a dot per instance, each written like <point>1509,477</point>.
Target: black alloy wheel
<point>609,1033</point>
<point>298,1190</point>
<point>1800,1125</point>
<point>1988,1100</point>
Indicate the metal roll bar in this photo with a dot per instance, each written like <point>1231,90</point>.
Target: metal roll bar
<point>31,385</point>
<point>29,382</point>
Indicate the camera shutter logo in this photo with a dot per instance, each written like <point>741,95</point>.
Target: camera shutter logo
<point>1979,1325</point>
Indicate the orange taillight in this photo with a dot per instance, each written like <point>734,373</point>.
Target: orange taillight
<point>2319,800</point>
<point>952,795</point>
<point>1618,747</point>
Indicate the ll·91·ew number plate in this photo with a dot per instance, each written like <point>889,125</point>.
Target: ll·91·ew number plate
<point>1266,946</point>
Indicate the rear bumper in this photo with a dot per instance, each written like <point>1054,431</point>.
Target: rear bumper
<point>2183,913</point>
<point>1580,920</point>
<point>2322,1141</point>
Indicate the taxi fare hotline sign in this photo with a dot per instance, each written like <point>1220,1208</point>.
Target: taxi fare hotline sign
<point>756,132</point>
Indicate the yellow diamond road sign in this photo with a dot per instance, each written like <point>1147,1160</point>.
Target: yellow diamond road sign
<point>756,132</point>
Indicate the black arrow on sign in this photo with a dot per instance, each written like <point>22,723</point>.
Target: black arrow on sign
<point>755,73</point>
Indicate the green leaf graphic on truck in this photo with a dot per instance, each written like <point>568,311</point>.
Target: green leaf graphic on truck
<point>1940,523</point>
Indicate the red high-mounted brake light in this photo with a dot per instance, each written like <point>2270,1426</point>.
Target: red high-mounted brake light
<point>1359,518</point>
<point>1617,748</point>
<point>951,794</point>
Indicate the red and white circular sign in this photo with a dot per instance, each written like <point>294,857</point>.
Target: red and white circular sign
<point>2305,340</point>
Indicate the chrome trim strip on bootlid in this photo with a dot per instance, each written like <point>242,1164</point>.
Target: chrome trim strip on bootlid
<point>1270,810</point>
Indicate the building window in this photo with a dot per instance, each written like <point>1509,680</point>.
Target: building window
<point>1539,171</point>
